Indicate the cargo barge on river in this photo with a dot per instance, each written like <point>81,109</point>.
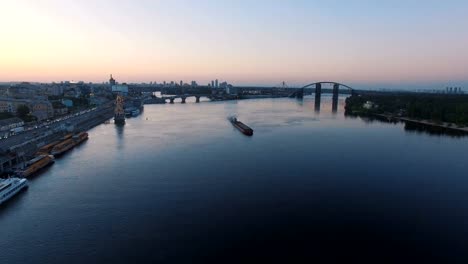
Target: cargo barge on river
<point>246,130</point>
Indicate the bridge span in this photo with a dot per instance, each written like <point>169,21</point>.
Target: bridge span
<point>184,97</point>
<point>299,93</point>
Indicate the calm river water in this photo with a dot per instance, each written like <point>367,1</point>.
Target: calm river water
<point>179,184</point>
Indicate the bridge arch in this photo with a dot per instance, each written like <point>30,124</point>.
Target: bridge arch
<point>327,82</point>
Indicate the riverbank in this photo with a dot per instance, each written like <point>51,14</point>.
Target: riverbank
<point>426,123</point>
<point>16,154</point>
<point>444,111</point>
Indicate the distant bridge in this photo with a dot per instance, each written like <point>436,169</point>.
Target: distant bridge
<point>335,84</point>
<point>171,98</point>
<point>299,93</point>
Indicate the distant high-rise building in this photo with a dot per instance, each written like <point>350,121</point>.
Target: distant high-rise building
<point>216,84</point>
<point>112,81</point>
<point>181,83</point>
<point>212,84</point>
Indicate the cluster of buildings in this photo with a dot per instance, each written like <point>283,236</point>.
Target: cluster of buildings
<point>224,88</point>
<point>25,94</point>
<point>215,87</point>
<point>45,101</point>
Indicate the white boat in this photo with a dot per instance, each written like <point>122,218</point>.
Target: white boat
<point>10,187</point>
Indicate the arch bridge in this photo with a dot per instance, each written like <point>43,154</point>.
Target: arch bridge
<point>299,93</point>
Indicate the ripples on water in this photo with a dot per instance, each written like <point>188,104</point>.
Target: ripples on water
<point>180,184</point>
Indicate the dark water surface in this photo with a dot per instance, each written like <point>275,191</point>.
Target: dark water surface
<point>179,184</point>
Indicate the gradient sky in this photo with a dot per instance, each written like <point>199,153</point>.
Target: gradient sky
<point>244,42</point>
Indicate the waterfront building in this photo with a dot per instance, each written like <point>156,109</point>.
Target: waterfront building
<point>120,88</point>
<point>60,111</point>
<point>67,102</point>
<point>231,89</point>
<point>7,106</point>
<point>42,109</point>
<point>23,90</point>
<point>96,100</point>
<point>10,105</point>
<point>55,90</point>
<point>369,105</point>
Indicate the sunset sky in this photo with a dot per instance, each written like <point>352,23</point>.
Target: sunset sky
<point>243,42</point>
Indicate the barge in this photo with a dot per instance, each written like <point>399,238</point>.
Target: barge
<point>45,150</point>
<point>69,143</point>
<point>63,147</point>
<point>35,165</point>
<point>246,130</point>
<point>79,138</point>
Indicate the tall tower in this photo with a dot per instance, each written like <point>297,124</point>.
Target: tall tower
<point>119,113</point>
<point>112,81</point>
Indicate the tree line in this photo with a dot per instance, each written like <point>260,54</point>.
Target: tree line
<point>435,107</point>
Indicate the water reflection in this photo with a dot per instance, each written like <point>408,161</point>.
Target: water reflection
<point>335,104</point>
<point>317,104</point>
<point>411,127</point>
<point>119,129</point>
<point>186,175</point>
<point>432,130</point>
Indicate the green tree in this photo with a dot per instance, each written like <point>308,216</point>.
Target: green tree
<point>23,111</point>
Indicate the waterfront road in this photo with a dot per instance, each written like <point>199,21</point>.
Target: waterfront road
<point>54,126</point>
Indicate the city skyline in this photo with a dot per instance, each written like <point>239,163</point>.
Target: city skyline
<point>262,43</point>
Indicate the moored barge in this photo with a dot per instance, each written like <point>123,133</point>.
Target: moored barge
<point>35,165</point>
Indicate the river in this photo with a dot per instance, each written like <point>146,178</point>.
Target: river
<point>180,184</point>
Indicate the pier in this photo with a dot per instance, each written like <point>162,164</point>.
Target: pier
<point>22,147</point>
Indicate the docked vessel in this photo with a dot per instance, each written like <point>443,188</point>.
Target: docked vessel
<point>45,150</point>
<point>119,112</point>
<point>79,138</point>
<point>35,165</point>
<point>69,142</point>
<point>67,136</point>
<point>241,126</point>
<point>63,147</point>
<point>10,187</point>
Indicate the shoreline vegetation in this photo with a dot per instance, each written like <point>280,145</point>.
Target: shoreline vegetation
<point>435,111</point>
